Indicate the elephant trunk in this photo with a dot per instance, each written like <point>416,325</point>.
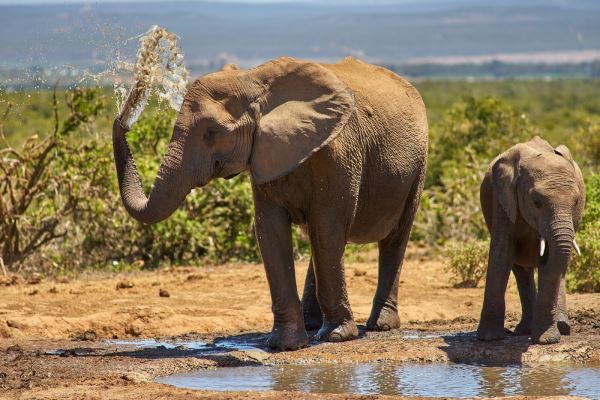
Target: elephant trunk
<point>559,237</point>
<point>561,240</point>
<point>170,188</point>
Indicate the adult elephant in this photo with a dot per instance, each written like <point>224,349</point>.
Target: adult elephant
<point>532,198</point>
<point>339,149</point>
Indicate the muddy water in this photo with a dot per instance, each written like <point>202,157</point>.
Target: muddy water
<point>435,380</point>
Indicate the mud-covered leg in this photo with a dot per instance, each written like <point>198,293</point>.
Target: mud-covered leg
<point>527,293</point>
<point>562,317</point>
<point>273,232</point>
<point>313,318</point>
<point>328,242</point>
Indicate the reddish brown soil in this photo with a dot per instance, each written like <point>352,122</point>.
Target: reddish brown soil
<point>233,300</point>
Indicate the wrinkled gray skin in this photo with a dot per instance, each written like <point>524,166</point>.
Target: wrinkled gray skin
<point>339,149</point>
<point>530,192</point>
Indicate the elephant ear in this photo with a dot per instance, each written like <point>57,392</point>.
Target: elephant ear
<point>304,108</point>
<point>564,151</point>
<point>504,179</point>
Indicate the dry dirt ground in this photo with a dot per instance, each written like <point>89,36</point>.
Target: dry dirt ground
<point>232,301</point>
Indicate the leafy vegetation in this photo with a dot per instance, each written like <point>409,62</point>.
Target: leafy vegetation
<point>468,262</point>
<point>74,198</point>
<point>583,274</point>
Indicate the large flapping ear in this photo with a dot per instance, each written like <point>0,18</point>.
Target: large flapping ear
<point>505,173</point>
<point>564,151</point>
<point>305,106</point>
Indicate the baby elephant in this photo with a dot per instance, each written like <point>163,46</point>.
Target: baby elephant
<point>532,199</point>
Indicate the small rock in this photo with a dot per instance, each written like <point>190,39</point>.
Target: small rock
<point>9,280</point>
<point>34,279</point>
<point>16,348</point>
<point>33,292</point>
<point>125,285</point>
<point>359,272</point>
<point>89,335</point>
<point>257,355</point>
<point>195,277</point>
<point>164,293</point>
<point>53,290</point>
<point>182,347</point>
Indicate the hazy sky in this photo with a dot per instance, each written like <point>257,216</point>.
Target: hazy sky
<point>222,1</point>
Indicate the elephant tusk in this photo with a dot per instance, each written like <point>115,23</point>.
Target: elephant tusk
<point>576,248</point>
<point>542,247</point>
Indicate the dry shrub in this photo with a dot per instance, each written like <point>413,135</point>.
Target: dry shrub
<point>468,262</point>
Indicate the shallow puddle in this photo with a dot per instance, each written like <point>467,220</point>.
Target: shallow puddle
<point>199,346</point>
<point>435,380</point>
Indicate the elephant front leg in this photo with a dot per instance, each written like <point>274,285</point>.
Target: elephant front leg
<point>313,318</point>
<point>527,293</point>
<point>273,232</point>
<point>491,324</point>
<point>328,243</point>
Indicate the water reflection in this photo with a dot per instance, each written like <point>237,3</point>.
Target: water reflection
<point>435,380</point>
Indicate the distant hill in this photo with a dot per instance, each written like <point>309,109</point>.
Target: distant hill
<point>396,33</point>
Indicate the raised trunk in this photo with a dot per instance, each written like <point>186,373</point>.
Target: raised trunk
<point>170,188</point>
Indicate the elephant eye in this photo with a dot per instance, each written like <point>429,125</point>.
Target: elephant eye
<point>537,204</point>
<point>211,133</point>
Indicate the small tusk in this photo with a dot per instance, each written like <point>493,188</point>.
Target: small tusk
<point>576,248</point>
<point>542,247</point>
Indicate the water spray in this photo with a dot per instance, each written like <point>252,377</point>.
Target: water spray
<point>158,67</point>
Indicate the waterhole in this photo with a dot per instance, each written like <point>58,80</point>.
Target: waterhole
<point>434,380</point>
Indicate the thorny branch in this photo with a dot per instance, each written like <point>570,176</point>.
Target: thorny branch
<point>36,193</point>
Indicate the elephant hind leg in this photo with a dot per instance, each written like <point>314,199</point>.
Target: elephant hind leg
<point>527,293</point>
<point>384,313</point>
<point>313,317</point>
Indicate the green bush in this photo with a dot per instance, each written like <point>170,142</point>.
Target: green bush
<point>583,274</point>
<point>43,188</point>
<point>470,135</point>
<point>588,144</point>
<point>468,262</point>
<point>475,128</point>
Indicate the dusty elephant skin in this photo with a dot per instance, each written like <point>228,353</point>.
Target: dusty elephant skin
<point>532,198</point>
<point>339,149</point>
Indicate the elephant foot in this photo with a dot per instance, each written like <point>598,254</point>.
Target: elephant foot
<point>332,332</point>
<point>564,326</point>
<point>489,332</point>
<point>523,328</point>
<point>387,319</point>
<point>284,338</point>
<point>549,336</point>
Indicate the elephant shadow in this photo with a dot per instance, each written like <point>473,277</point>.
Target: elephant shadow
<point>465,348</point>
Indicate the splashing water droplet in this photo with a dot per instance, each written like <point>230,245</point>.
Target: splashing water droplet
<point>158,67</point>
